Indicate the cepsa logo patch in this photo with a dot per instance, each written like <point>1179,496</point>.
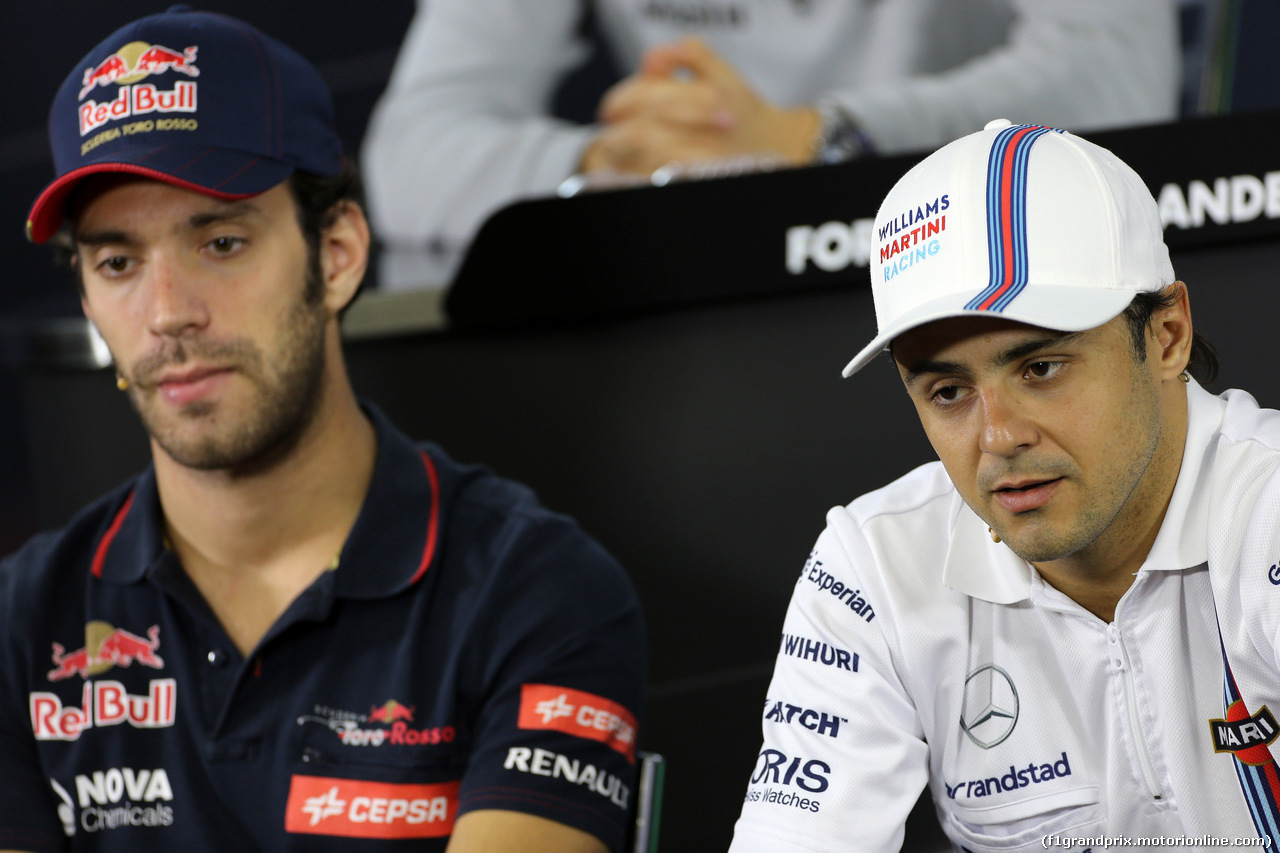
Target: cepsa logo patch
<point>578,713</point>
<point>351,808</point>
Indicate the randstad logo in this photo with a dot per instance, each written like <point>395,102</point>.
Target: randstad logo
<point>130,64</point>
<point>1017,777</point>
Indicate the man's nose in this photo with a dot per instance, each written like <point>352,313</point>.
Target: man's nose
<point>177,305</point>
<point>1006,427</point>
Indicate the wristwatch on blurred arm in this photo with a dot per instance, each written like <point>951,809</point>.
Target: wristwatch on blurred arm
<point>839,138</point>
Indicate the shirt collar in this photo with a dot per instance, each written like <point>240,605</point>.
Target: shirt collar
<point>983,569</point>
<point>394,541</point>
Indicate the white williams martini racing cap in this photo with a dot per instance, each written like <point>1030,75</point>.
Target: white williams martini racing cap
<point>1023,222</point>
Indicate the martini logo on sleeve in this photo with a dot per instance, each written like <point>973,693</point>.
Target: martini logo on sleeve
<point>578,713</point>
<point>1247,737</point>
<point>352,808</point>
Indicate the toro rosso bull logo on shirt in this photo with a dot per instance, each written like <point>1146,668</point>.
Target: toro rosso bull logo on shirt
<point>393,721</point>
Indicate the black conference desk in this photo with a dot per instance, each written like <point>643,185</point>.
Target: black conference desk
<point>645,360</point>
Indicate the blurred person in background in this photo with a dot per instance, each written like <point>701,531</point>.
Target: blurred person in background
<point>464,125</point>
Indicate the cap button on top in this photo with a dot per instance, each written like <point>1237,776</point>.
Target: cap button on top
<point>998,124</point>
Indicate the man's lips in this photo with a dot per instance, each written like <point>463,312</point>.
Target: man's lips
<point>181,387</point>
<point>1026,494</point>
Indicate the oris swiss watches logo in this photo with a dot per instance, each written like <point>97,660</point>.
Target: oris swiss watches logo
<point>990,706</point>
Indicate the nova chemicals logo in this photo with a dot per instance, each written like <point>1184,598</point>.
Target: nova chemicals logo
<point>990,706</point>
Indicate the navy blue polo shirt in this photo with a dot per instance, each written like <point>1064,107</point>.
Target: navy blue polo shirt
<point>470,650</point>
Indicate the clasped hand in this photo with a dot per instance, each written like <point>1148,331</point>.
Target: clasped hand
<point>687,104</point>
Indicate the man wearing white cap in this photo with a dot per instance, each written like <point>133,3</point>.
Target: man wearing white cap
<point>1067,627</point>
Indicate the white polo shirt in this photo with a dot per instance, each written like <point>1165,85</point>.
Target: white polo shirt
<point>916,650</point>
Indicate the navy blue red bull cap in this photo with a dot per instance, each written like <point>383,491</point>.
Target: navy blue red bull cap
<point>195,99</point>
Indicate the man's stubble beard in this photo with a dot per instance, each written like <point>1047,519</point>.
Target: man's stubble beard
<point>284,400</point>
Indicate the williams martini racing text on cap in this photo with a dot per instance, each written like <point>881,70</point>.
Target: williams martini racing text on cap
<point>1024,222</point>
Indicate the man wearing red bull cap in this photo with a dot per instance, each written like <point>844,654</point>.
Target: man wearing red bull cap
<point>1068,627</point>
<point>296,629</point>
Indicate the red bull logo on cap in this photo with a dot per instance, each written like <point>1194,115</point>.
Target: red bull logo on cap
<point>135,61</point>
<point>125,68</point>
<point>106,646</point>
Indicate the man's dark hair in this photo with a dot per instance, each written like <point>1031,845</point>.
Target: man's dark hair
<point>1203,363</point>
<point>320,200</point>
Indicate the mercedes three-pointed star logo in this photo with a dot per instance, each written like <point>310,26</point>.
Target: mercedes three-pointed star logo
<point>990,706</point>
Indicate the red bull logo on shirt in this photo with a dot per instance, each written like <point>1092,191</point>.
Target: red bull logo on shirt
<point>104,703</point>
<point>106,646</point>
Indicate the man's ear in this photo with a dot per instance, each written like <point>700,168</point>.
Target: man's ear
<point>1172,330</point>
<point>344,256</point>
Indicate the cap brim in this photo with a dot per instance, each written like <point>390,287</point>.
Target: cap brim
<point>1064,308</point>
<point>217,172</point>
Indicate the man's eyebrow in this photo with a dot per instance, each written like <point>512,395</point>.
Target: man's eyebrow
<point>1020,351</point>
<point>922,368</point>
<point>224,213</point>
<point>1014,353</point>
<point>103,238</point>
